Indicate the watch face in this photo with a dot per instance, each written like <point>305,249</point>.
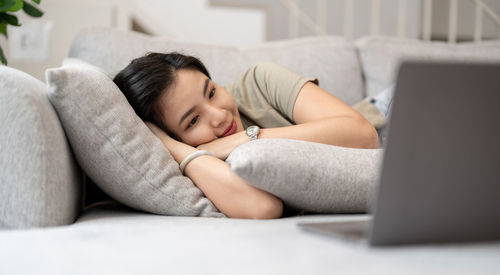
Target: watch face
<point>252,132</point>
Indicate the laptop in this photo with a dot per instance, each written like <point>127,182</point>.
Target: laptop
<point>440,178</point>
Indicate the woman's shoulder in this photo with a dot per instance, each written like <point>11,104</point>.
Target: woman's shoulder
<point>264,75</point>
<point>265,72</point>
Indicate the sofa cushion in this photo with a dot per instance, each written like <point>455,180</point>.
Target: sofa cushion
<point>332,60</point>
<point>309,176</point>
<point>40,183</point>
<point>381,56</point>
<point>115,147</point>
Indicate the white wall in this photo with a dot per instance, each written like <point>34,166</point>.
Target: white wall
<point>195,20</point>
<point>228,22</point>
<point>67,17</point>
<point>191,20</point>
<point>278,16</point>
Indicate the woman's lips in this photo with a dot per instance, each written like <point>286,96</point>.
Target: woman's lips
<point>230,130</point>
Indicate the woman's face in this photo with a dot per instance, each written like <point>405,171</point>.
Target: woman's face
<point>197,110</point>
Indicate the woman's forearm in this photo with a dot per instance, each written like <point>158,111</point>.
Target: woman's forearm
<point>340,131</point>
<point>232,195</point>
<point>322,117</point>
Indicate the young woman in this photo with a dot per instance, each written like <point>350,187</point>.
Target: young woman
<point>201,122</point>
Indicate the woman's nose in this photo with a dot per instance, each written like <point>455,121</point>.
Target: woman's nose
<point>217,116</point>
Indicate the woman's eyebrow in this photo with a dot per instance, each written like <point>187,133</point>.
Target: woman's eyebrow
<point>186,114</point>
<point>205,87</point>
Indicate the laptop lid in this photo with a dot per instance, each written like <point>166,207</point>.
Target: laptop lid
<point>440,179</point>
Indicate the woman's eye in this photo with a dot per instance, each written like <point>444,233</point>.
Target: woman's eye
<point>193,121</point>
<point>212,93</point>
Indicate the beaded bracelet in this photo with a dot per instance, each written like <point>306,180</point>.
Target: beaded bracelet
<point>192,156</point>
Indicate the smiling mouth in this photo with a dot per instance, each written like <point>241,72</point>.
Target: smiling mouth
<point>230,130</point>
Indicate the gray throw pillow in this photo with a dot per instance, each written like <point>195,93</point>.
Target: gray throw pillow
<point>116,149</point>
<point>40,182</point>
<point>309,176</point>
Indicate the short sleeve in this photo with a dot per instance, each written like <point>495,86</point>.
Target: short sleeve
<point>268,91</point>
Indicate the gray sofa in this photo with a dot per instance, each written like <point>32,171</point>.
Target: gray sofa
<point>46,228</point>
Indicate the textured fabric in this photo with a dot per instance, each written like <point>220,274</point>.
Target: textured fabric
<point>40,181</point>
<point>91,193</point>
<point>309,176</point>
<point>266,95</point>
<point>116,149</point>
<point>381,56</point>
<point>332,60</point>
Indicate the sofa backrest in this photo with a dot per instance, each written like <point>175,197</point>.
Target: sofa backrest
<point>348,70</point>
<point>332,60</point>
<point>381,56</point>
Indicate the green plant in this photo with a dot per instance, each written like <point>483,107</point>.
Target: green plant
<point>7,7</point>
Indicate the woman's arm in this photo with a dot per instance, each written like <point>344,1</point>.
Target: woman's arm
<point>319,117</point>
<point>323,118</point>
<point>230,193</point>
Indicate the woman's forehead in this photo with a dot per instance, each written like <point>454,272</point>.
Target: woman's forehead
<point>186,91</point>
<point>187,82</point>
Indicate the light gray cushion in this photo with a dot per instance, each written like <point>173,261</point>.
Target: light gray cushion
<point>115,147</point>
<point>332,60</point>
<point>40,182</point>
<point>381,56</point>
<point>309,176</point>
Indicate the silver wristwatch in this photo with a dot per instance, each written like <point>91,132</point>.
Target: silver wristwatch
<point>253,132</point>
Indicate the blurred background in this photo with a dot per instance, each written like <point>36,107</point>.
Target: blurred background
<point>42,43</point>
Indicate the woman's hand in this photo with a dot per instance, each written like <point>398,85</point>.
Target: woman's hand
<point>232,195</point>
<point>177,149</point>
<point>222,147</point>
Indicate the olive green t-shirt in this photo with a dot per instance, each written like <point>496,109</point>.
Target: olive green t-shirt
<point>266,95</point>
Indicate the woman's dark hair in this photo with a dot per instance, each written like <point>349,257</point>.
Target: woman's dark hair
<point>145,78</point>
